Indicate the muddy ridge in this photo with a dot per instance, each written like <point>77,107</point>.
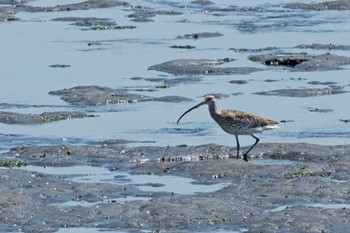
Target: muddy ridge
<point>254,195</point>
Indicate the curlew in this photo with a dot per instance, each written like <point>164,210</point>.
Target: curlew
<point>236,122</point>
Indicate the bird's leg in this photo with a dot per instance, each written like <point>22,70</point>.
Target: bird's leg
<point>245,156</point>
<point>237,142</point>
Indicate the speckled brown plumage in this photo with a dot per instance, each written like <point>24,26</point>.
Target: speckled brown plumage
<point>236,122</point>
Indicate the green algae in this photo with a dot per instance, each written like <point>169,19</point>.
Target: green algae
<point>121,101</point>
<point>103,28</point>
<point>182,47</point>
<point>11,163</point>
<point>52,117</point>
<point>299,174</point>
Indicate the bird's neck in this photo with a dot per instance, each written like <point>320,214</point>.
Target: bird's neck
<point>212,109</point>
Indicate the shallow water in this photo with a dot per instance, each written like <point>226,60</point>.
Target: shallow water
<point>313,205</point>
<point>272,162</point>
<point>29,46</point>
<point>145,183</point>
<point>114,57</point>
<point>85,230</point>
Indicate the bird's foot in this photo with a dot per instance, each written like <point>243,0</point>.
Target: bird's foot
<point>245,157</point>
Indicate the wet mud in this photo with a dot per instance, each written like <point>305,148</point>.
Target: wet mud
<point>303,62</point>
<point>200,35</point>
<point>339,5</point>
<point>99,95</point>
<point>84,5</point>
<point>295,187</point>
<point>145,14</point>
<point>201,67</point>
<point>265,193</point>
<point>7,12</point>
<point>303,92</point>
<point>87,21</point>
<point>45,117</point>
<point>173,80</point>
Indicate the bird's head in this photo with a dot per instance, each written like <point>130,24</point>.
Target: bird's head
<point>209,100</point>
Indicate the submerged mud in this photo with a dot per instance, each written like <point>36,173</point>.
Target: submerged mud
<point>255,195</point>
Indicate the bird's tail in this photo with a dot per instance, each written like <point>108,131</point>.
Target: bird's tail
<point>269,127</point>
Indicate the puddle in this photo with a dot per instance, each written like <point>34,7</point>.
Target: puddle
<point>314,205</point>
<point>272,162</point>
<point>85,230</point>
<point>121,200</point>
<point>145,183</point>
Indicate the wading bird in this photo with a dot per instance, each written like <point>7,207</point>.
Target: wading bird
<point>236,122</point>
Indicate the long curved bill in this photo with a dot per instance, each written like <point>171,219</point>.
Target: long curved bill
<point>189,110</point>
